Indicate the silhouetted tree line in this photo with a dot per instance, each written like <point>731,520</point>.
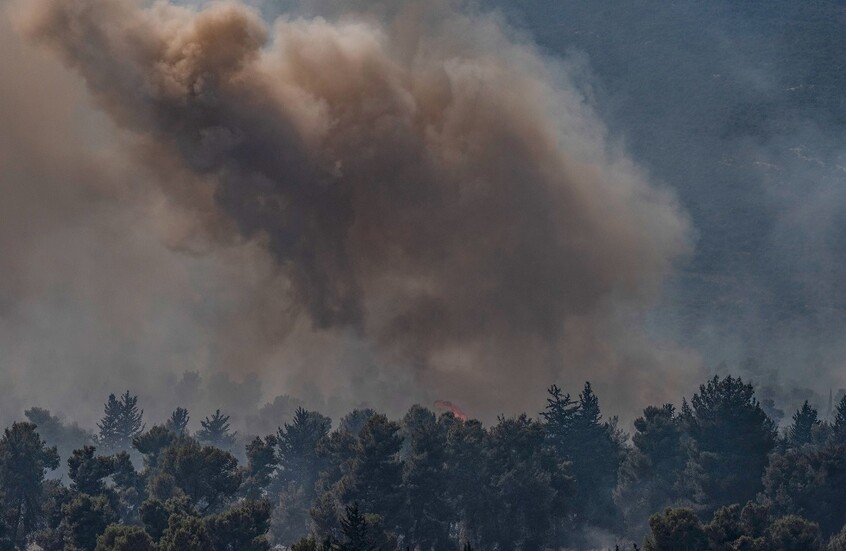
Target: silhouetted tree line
<point>714,475</point>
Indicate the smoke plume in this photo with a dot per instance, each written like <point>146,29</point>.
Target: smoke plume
<point>410,203</point>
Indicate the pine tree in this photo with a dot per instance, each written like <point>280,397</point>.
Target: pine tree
<point>651,475</point>
<point>810,480</point>
<point>241,528</point>
<point>299,466</point>
<point>596,461</point>
<point>804,421</point>
<point>577,432</point>
<point>87,517</point>
<point>215,431</point>
<point>355,420</point>
<point>178,422</point>
<point>732,438</point>
<point>208,475</point>
<point>152,443</point>
<point>530,499</point>
<point>839,425</point>
<point>88,471</point>
<point>261,465</point>
<point>119,537</point>
<point>24,460</point>
<point>186,533</point>
<point>676,530</point>
<point>792,532</point>
<point>426,481</point>
<point>560,413</point>
<point>374,478</point>
<point>355,530</point>
<point>298,441</point>
<point>121,423</point>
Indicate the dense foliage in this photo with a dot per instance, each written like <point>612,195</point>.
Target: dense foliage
<point>714,475</point>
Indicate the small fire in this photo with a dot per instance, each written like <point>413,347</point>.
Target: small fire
<point>444,406</point>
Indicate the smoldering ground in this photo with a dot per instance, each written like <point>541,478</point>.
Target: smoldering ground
<point>380,206</point>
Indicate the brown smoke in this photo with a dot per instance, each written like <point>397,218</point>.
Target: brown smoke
<point>428,186</point>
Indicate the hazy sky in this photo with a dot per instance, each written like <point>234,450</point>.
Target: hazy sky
<point>354,203</point>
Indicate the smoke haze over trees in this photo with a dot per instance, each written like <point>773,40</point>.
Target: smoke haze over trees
<point>716,474</point>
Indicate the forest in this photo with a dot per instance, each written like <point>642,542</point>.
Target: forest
<point>715,474</point>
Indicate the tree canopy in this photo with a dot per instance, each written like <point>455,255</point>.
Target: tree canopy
<point>713,475</point>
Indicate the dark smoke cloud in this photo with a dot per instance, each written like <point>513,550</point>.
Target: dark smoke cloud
<point>432,208</point>
<point>97,293</point>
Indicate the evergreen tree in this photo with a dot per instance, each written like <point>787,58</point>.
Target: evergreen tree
<point>731,437</point>
<point>355,420</point>
<point>121,422</point>
<point>178,422</point>
<point>118,537</point>
<point>469,471</point>
<point>156,514</point>
<point>299,466</point>
<point>215,431</point>
<point>363,532</point>
<point>336,453</point>
<point>186,533</point>
<point>129,487</point>
<point>578,433</point>
<point>374,480</point>
<point>801,432</point>
<point>838,427</point>
<point>676,530</point>
<point>364,468</point>
<point>24,460</point>
<point>355,529</point>
<point>599,461</point>
<point>207,475</point>
<point>809,482</point>
<point>426,482</point>
<point>88,471</point>
<point>560,415</point>
<point>793,533</point>
<point>651,475</point>
<point>725,528</point>
<point>262,462</point>
<point>6,543</point>
<point>755,519</point>
<point>55,496</point>
<point>152,443</point>
<point>241,528</point>
<point>298,449</point>
<point>311,544</point>
<point>86,518</point>
<point>531,488</point>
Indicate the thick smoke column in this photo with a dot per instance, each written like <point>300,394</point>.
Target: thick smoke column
<point>425,183</point>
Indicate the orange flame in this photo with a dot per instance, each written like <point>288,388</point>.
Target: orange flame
<point>444,406</point>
